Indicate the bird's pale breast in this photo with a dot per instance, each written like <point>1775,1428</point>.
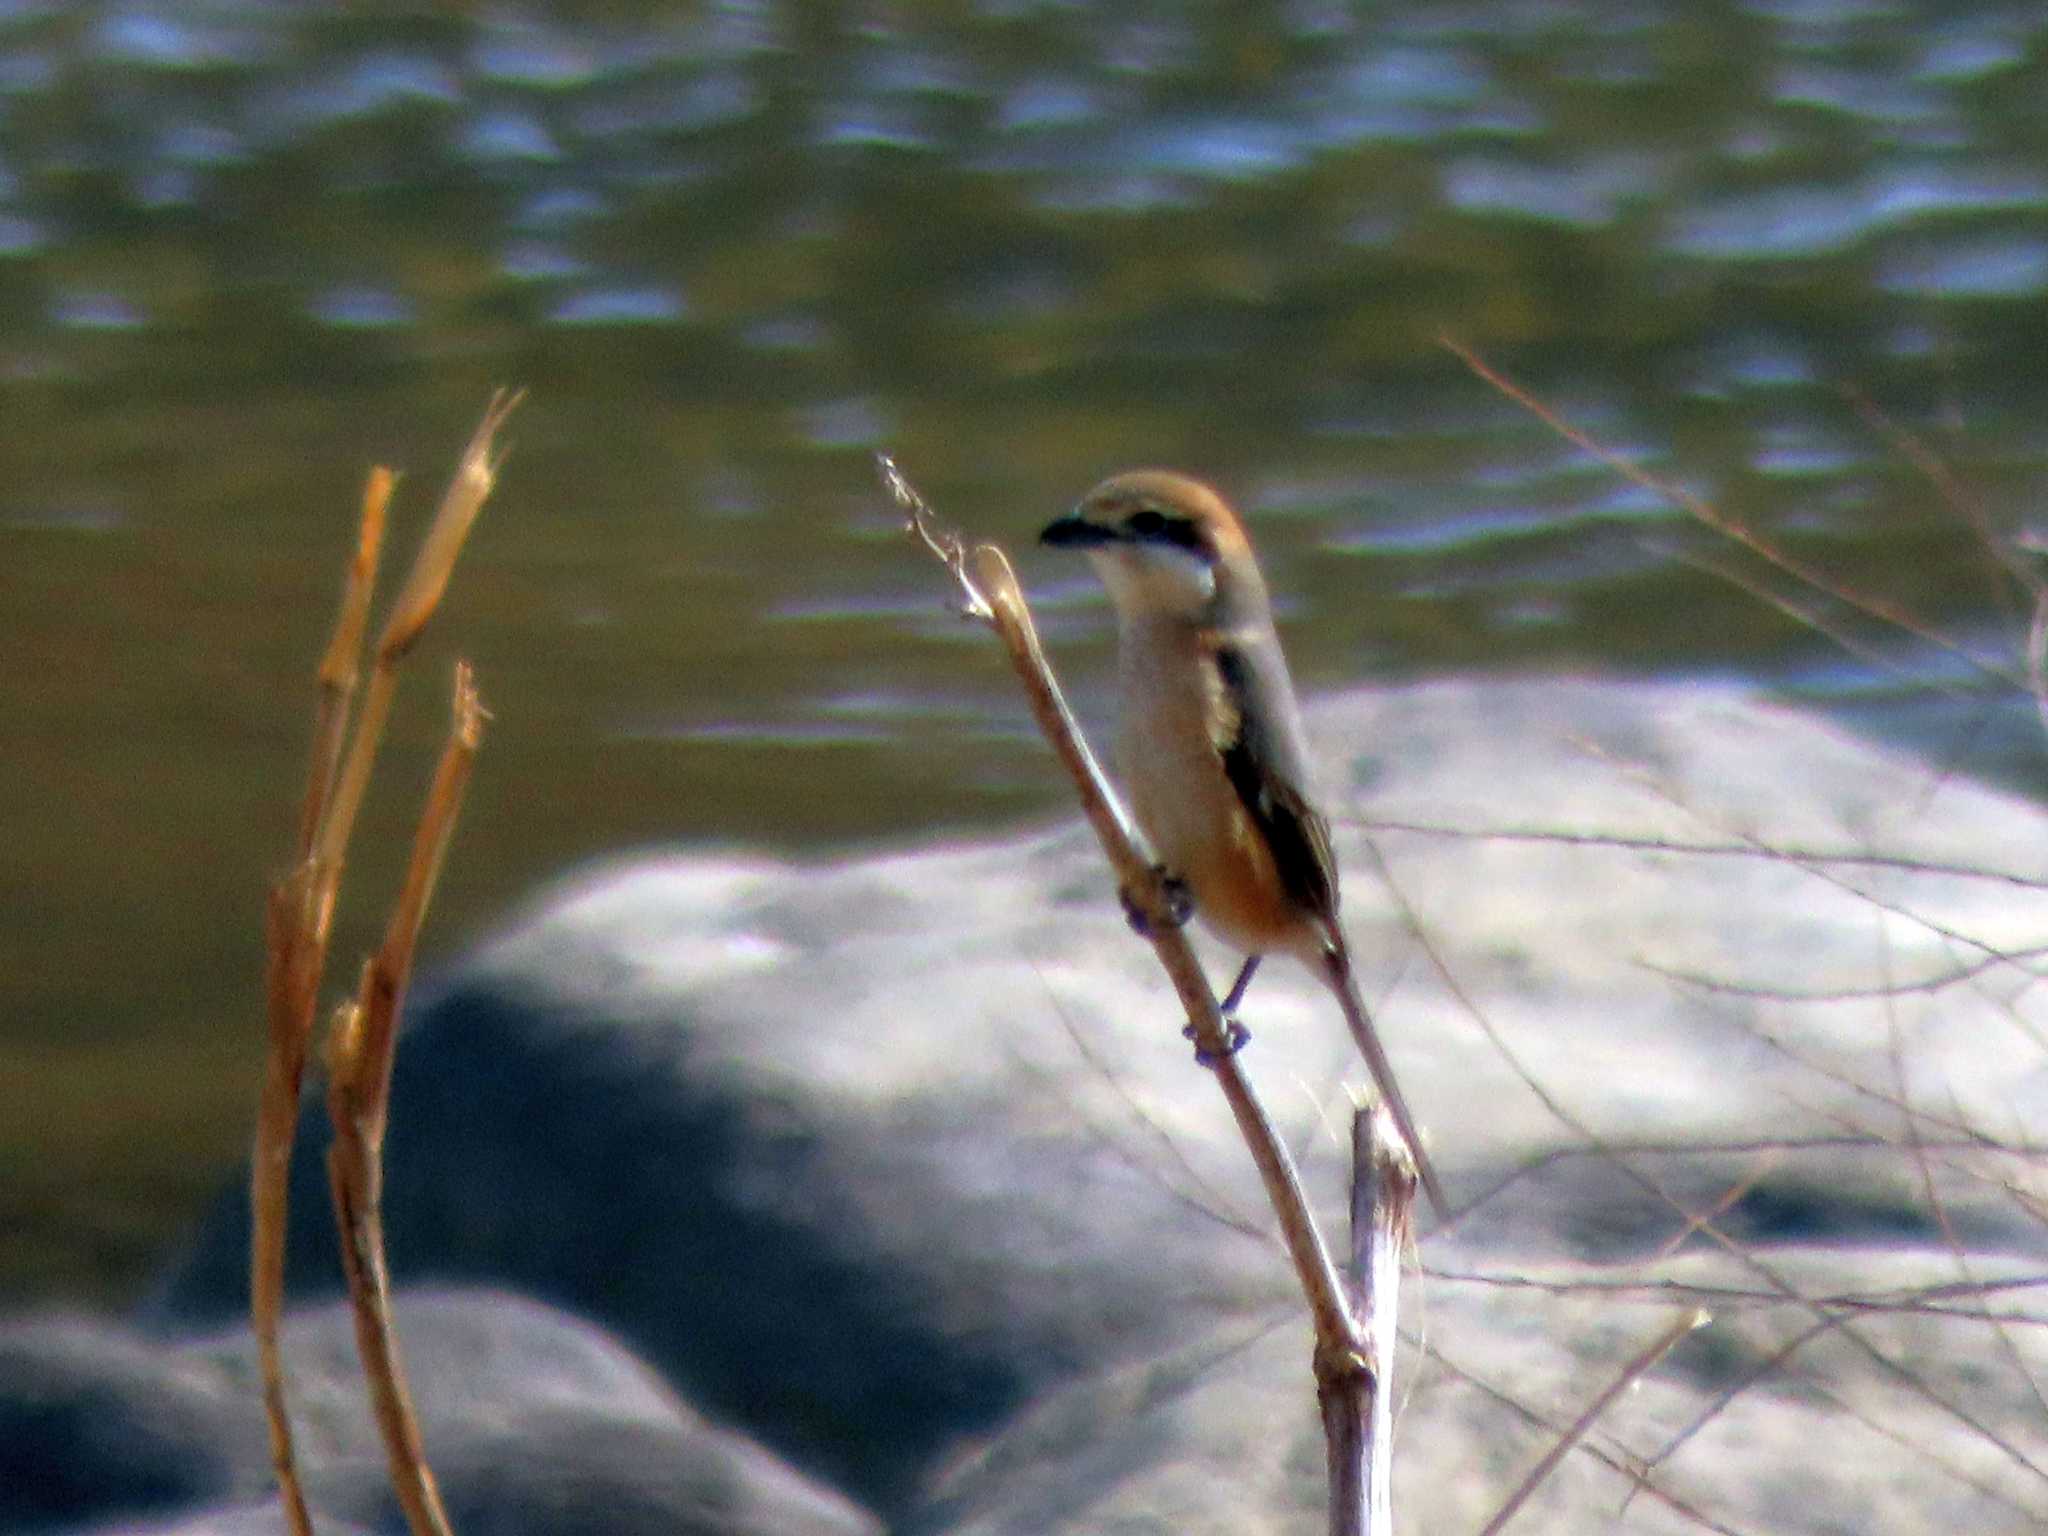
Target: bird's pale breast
<point>1172,720</point>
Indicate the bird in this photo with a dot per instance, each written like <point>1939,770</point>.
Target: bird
<point>1210,745</point>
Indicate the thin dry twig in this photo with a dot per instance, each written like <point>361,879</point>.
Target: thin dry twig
<point>1193,1189</point>
<point>1930,1194</point>
<point>1731,1197</point>
<point>1961,974</point>
<point>1720,522</point>
<point>1606,1458</point>
<point>1881,1424</point>
<point>1855,858</point>
<point>1767,1365</point>
<point>1644,1358</point>
<point>1655,784</point>
<point>2004,559</point>
<point>1933,1301</point>
<point>1801,613</point>
<point>1708,1229</point>
<point>1904,1377</point>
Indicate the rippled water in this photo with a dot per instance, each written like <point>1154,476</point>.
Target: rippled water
<point>247,248</point>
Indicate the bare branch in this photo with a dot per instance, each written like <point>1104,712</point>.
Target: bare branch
<point>1852,858</point>
<point>1648,1356</point>
<point>1356,1393</point>
<point>1720,522</point>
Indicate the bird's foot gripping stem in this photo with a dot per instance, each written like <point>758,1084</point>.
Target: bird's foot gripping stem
<point>1235,1038</point>
<point>1180,904</point>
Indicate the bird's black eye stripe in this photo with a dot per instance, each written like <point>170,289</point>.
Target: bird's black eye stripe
<point>1151,523</point>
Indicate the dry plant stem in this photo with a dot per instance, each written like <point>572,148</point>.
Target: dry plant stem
<point>991,593</point>
<point>1357,1393</point>
<point>341,668</point>
<point>299,913</point>
<point>476,473</point>
<point>360,1052</point>
<point>295,931</point>
<point>1648,1356</point>
<point>474,477</point>
<point>292,983</point>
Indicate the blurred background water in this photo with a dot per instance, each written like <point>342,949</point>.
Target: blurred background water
<point>248,248</point>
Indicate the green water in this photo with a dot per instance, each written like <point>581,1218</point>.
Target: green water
<point>245,251</point>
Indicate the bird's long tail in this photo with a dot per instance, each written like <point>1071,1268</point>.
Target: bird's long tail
<point>1337,973</point>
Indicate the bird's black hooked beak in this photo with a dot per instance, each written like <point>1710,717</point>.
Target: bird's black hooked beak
<point>1075,532</point>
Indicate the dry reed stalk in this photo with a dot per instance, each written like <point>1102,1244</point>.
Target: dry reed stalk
<point>295,932</point>
<point>298,915</point>
<point>360,1052</point>
<point>417,599</point>
<point>341,668</point>
<point>991,594</point>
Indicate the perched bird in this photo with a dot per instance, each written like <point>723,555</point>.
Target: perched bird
<point>1210,743</point>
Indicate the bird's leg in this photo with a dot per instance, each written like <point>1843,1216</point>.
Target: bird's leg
<point>1237,987</point>
<point>1236,1036</point>
<point>1180,903</point>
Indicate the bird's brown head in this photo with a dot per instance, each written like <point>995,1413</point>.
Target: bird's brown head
<point>1162,542</point>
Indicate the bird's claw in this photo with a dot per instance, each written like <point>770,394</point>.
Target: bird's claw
<point>1180,904</point>
<point>1235,1038</point>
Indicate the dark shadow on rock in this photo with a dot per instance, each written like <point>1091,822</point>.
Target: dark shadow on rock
<point>536,1424</point>
<point>579,1164</point>
<point>96,1421</point>
<point>266,1518</point>
<point>628,1478</point>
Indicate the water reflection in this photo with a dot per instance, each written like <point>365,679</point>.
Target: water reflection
<point>244,248</point>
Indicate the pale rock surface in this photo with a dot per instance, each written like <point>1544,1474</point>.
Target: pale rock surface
<point>900,1164</point>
